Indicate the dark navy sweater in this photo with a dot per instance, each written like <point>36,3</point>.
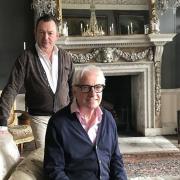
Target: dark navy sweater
<point>70,154</point>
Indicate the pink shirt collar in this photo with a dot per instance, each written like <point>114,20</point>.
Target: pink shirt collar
<point>92,128</point>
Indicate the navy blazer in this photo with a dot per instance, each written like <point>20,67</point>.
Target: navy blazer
<point>70,154</point>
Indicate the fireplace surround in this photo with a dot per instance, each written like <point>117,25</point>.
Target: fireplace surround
<point>139,56</point>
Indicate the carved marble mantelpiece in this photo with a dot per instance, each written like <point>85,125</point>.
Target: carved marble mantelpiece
<point>136,40</point>
<point>137,55</point>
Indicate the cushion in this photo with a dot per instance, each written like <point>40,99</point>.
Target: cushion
<point>31,167</point>
<point>9,155</point>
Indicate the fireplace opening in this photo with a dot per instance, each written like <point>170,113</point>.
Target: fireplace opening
<point>117,99</point>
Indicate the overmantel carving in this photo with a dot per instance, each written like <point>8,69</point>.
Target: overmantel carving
<point>106,4</point>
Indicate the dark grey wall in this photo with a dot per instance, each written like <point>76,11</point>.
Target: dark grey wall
<point>170,61</point>
<point>177,40</point>
<point>17,22</point>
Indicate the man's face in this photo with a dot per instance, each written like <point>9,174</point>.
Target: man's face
<point>89,100</point>
<point>46,34</point>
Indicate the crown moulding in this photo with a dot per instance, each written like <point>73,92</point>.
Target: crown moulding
<point>106,4</point>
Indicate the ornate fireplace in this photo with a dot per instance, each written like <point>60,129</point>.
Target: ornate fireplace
<point>138,56</point>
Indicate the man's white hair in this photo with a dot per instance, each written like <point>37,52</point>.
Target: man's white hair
<point>90,68</point>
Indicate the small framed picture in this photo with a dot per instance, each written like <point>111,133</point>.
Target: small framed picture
<point>131,23</point>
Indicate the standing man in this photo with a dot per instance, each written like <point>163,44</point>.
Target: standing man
<point>81,139</point>
<point>46,73</point>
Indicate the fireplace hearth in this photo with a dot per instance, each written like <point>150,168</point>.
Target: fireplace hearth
<point>117,99</point>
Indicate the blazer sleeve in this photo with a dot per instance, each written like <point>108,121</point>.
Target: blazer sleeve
<point>12,88</point>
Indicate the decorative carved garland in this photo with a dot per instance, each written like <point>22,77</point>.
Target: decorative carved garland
<point>107,55</point>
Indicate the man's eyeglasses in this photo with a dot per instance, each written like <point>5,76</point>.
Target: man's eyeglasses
<point>87,88</point>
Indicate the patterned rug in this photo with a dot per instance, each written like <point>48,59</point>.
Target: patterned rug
<point>152,165</point>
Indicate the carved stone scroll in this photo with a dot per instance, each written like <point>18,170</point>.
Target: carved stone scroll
<point>59,14</point>
<point>157,65</point>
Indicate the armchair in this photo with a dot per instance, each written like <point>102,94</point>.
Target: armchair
<point>22,133</point>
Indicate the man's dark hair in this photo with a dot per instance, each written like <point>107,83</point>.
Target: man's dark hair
<point>46,18</point>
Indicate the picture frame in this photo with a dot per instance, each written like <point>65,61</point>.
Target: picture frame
<point>131,22</point>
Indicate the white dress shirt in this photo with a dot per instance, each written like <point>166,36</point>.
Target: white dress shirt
<point>50,67</point>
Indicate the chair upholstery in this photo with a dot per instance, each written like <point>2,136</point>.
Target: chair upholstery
<point>21,133</point>
<point>31,167</point>
<point>9,156</point>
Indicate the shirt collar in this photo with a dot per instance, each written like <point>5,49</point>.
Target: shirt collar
<point>38,49</point>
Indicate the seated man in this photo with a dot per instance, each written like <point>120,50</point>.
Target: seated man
<point>81,139</point>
